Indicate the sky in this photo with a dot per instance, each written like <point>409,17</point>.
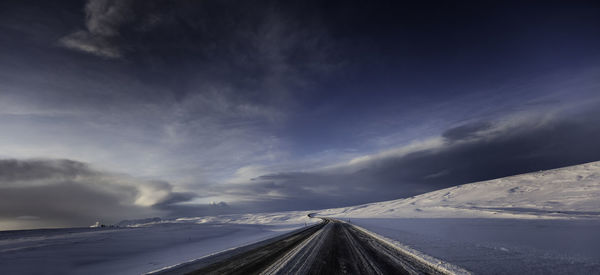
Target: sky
<point>114,110</point>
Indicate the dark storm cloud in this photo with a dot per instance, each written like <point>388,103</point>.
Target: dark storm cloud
<point>472,152</point>
<point>253,45</point>
<point>53,193</point>
<point>250,54</point>
<point>12,170</point>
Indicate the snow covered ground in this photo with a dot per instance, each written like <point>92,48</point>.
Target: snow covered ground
<point>545,222</point>
<point>138,249</point>
<point>499,246</point>
<point>566,193</point>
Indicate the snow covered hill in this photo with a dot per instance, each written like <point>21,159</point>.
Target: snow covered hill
<point>538,223</point>
<point>545,222</point>
<point>564,193</point>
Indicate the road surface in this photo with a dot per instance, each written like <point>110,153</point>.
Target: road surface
<point>331,247</point>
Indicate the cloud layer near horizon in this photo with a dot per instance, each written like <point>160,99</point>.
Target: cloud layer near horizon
<point>476,151</point>
<point>71,193</point>
<point>59,193</point>
<point>319,103</point>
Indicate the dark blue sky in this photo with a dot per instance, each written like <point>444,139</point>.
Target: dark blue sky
<point>165,106</point>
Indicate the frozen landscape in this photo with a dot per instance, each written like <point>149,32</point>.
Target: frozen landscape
<point>299,137</point>
<point>137,249</point>
<point>542,222</point>
<point>545,222</point>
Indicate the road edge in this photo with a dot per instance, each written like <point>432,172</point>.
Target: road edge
<point>435,263</point>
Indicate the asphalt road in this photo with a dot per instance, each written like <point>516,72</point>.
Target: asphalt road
<point>332,247</point>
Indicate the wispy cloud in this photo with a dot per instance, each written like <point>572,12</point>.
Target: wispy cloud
<point>475,151</point>
<point>103,20</point>
<point>85,41</point>
<point>218,110</point>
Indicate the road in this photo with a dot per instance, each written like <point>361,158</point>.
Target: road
<point>331,247</point>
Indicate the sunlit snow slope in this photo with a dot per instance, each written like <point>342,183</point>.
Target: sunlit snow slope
<point>570,192</point>
<point>545,222</point>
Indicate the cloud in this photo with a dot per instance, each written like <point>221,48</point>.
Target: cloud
<point>103,17</point>
<point>58,193</point>
<point>103,20</point>
<point>206,89</point>
<point>197,99</point>
<point>222,91</point>
<point>264,40</point>
<point>467,131</point>
<point>94,44</point>
<point>471,152</point>
<point>18,172</point>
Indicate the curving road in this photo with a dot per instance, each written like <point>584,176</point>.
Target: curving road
<point>331,247</point>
